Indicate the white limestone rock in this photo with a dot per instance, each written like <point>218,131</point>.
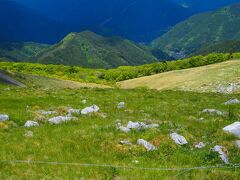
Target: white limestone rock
<point>121,105</point>
<point>73,111</point>
<point>233,129</point>
<point>178,139</point>
<point>47,112</point>
<point>125,142</point>
<point>91,109</point>
<point>214,111</point>
<point>31,124</point>
<point>60,119</point>
<point>136,125</point>
<point>222,153</point>
<point>200,145</point>
<point>4,117</point>
<point>232,101</point>
<point>146,144</point>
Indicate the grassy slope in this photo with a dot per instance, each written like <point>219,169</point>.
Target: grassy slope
<point>94,139</point>
<point>88,49</point>
<point>199,30</point>
<point>205,78</point>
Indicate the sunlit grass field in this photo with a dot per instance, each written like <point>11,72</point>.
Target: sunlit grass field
<point>94,139</point>
<point>200,79</point>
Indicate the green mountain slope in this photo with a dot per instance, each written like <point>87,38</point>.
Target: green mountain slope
<point>88,49</point>
<point>229,46</point>
<point>20,51</point>
<point>201,30</point>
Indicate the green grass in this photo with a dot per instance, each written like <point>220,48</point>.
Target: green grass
<point>94,139</point>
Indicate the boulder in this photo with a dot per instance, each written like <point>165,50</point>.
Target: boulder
<point>121,105</point>
<point>213,111</point>
<point>60,119</point>
<point>200,145</point>
<point>4,117</point>
<point>222,153</point>
<point>233,129</point>
<point>90,109</point>
<point>232,101</point>
<point>135,125</point>
<point>31,124</point>
<point>178,139</point>
<point>146,144</point>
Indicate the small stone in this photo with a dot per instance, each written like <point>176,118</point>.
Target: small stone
<point>121,105</point>
<point>222,153</point>
<point>200,145</point>
<point>73,111</point>
<point>4,117</point>
<point>135,161</point>
<point>178,139</point>
<point>47,112</point>
<point>124,129</point>
<point>136,125</point>
<point>213,111</point>
<point>91,109</point>
<point>60,119</point>
<point>233,129</point>
<point>232,101</point>
<point>84,101</point>
<point>31,124</point>
<point>146,144</point>
<point>125,142</point>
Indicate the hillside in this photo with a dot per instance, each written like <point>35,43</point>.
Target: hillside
<point>15,51</point>
<point>88,49</point>
<point>95,145</point>
<point>211,78</point>
<point>201,30</point>
<point>230,46</point>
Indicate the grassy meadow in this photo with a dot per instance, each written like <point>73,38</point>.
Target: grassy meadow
<point>94,139</point>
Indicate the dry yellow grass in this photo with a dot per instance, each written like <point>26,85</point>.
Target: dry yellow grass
<point>200,79</point>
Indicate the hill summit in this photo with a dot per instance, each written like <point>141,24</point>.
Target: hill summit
<point>88,49</point>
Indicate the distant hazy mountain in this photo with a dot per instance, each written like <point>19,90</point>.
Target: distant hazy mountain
<point>139,20</point>
<point>200,30</point>
<point>88,49</point>
<point>19,23</point>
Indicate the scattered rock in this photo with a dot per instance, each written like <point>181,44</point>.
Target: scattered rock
<point>4,117</point>
<point>124,129</point>
<point>90,109</point>
<point>28,134</point>
<point>135,125</point>
<point>232,101</point>
<point>178,139</point>
<point>60,119</point>
<point>213,111</point>
<point>31,124</point>
<point>233,129</point>
<point>237,143</point>
<point>125,142</point>
<point>200,145</point>
<point>231,88</point>
<point>146,144</point>
<point>84,101</point>
<point>73,111</point>
<point>121,105</point>
<point>47,112</point>
<point>222,153</point>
